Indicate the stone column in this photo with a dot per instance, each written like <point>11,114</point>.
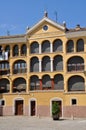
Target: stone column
<point>11,86</point>
<point>11,51</point>
<point>40,65</point>
<point>39,48</point>
<point>51,48</point>
<point>51,65</point>
<point>19,51</point>
<point>27,85</point>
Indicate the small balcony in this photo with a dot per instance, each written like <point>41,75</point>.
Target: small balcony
<point>4,71</point>
<point>19,70</point>
<point>75,67</point>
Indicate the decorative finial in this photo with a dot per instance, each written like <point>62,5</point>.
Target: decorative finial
<point>27,28</point>
<point>64,23</point>
<point>45,14</point>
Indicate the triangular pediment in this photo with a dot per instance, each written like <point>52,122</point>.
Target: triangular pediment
<point>45,26</point>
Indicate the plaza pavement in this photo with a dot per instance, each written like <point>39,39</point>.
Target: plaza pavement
<point>35,123</point>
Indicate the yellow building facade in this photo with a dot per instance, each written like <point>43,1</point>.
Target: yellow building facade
<point>46,64</point>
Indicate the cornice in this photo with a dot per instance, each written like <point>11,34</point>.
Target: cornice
<point>75,34</point>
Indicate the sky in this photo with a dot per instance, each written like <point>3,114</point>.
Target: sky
<point>16,15</point>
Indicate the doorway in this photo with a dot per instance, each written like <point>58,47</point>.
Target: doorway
<point>60,104</point>
<point>19,107</point>
<point>33,108</point>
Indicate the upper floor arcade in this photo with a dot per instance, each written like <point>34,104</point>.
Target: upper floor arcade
<point>46,64</point>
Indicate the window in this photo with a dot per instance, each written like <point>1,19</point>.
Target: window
<point>58,45</point>
<point>80,45</point>
<point>46,46</point>
<point>45,27</point>
<point>7,49</point>
<point>2,102</point>
<point>15,50</point>
<point>70,46</point>
<point>23,49</point>
<point>19,67</point>
<point>34,47</point>
<point>4,65</point>
<point>74,102</point>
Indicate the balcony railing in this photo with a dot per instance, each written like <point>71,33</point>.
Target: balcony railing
<point>4,71</point>
<point>75,67</point>
<point>19,70</point>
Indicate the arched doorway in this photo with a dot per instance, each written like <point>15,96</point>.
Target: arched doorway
<point>59,101</point>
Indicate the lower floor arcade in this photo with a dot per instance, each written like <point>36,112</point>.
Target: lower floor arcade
<point>74,83</point>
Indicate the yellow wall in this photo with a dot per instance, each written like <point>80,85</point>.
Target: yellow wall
<point>44,97</point>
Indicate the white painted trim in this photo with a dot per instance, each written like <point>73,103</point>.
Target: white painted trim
<point>55,99</point>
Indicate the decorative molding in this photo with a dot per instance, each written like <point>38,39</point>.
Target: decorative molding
<point>12,39</point>
<point>75,34</point>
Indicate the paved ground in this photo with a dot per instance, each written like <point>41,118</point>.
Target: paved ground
<point>35,123</point>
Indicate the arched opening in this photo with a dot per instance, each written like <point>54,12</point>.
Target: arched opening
<point>57,45</point>
<point>15,50</point>
<point>7,49</point>
<point>58,63</point>
<point>46,47</point>
<point>46,66</point>
<point>58,82</point>
<point>34,64</point>
<point>75,63</point>
<point>76,83</point>
<point>19,67</point>
<point>70,46</point>
<point>34,47</point>
<point>19,85</point>
<point>46,82</point>
<point>80,45</point>
<point>4,85</point>
<point>24,49</point>
<point>34,83</point>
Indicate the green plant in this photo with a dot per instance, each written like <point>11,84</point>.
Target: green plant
<point>55,110</point>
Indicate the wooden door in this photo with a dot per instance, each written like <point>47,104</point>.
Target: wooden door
<point>33,111</point>
<point>19,107</point>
